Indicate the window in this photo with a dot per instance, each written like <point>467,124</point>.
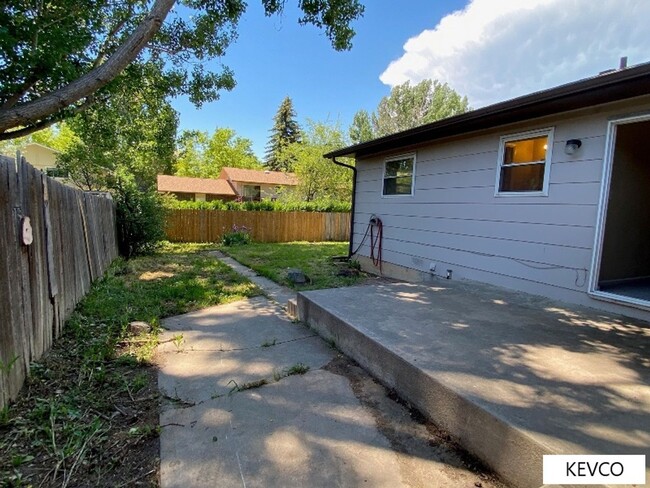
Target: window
<point>252,193</point>
<point>524,162</point>
<point>398,175</point>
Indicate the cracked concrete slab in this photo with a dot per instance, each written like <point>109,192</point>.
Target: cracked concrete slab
<point>333,426</point>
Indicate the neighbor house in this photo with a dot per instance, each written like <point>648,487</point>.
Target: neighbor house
<point>196,189</point>
<point>232,184</point>
<point>250,184</point>
<point>41,157</point>
<point>548,193</point>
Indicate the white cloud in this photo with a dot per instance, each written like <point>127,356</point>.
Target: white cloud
<point>494,50</point>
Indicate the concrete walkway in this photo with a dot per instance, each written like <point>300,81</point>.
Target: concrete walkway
<point>512,376</point>
<point>234,416</point>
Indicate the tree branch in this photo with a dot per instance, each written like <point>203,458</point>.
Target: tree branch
<point>30,113</point>
<point>13,99</point>
<point>44,123</point>
<point>110,36</point>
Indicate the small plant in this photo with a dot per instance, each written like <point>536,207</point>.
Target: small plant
<point>246,386</point>
<point>269,343</point>
<point>238,235</point>
<point>298,368</point>
<point>4,416</point>
<point>178,341</point>
<point>7,367</point>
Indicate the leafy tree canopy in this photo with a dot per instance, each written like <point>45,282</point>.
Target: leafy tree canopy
<point>406,107</point>
<point>361,129</point>
<point>60,56</point>
<point>203,156</point>
<point>131,136</point>
<point>285,131</point>
<point>59,137</point>
<point>320,179</point>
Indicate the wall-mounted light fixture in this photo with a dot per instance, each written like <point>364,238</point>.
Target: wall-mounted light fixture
<point>572,145</point>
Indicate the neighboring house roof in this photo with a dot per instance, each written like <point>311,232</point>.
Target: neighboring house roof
<point>608,87</point>
<point>41,145</point>
<point>181,184</point>
<point>259,177</point>
<point>26,146</point>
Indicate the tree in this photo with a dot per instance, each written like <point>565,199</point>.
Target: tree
<point>131,136</point>
<point>61,56</point>
<point>203,156</point>
<point>410,106</point>
<point>320,179</point>
<point>361,128</point>
<point>285,131</point>
<point>58,137</point>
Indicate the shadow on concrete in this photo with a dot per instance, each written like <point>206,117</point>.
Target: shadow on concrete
<point>302,430</point>
<point>569,379</point>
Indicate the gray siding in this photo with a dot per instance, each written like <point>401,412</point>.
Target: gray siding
<point>537,244</point>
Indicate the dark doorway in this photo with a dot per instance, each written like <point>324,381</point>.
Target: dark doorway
<point>625,258</point>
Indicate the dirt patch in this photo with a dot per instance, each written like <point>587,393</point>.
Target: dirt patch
<point>412,436</point>
<point>155,275</point>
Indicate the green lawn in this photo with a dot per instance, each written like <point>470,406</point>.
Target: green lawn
<point>88,414</point>
<point>313,258</point>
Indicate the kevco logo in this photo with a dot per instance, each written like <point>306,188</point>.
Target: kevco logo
<point>594,469</point>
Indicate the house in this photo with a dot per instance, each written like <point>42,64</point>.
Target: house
<point>250,184</point>
<point>546,193</point>
<point>232,184</point>
<point>196,189</point>
<point>41,157</point>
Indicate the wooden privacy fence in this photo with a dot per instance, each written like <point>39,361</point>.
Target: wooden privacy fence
<point>185,225</point>
<point>74,240</point>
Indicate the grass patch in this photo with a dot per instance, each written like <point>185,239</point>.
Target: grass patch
<point>297,368</point>
<point>315,259</point>
<point>88,414</point>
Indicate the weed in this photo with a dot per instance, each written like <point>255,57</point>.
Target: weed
<point>145,431</point>
<point>237,236</point>
<point>354,264</point>
<point>81,400</point>
<point>298,368</point>
<point>4,416</point>
<point>139,382</point>
<point>178,341</point>
<point>269,343</point>
<point>19,459</point>
<point>7,367</point>
<point>246,386</point>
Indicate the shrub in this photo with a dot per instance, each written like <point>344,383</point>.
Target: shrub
<point>237,236</point>
<point>264,205</point>
<point>140,219</point>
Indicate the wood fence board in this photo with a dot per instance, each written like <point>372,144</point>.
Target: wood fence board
<point>191,225</point>
<point>44,281</point>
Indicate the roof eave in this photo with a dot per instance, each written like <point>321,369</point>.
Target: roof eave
<point>620,85</point>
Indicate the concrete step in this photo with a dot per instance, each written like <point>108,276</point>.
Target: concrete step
<point>438,349</point>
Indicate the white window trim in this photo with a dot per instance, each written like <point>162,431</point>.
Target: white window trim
<point>383,176</point>
<point>549,133</point>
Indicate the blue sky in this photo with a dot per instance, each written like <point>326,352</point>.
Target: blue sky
<point>489,50</point>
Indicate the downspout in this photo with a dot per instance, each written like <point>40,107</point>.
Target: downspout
<point>354,198</point>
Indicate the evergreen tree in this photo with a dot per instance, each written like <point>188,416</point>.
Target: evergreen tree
<point>285,131</point>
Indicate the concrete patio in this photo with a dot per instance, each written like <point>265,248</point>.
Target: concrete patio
<point>511,376</point>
